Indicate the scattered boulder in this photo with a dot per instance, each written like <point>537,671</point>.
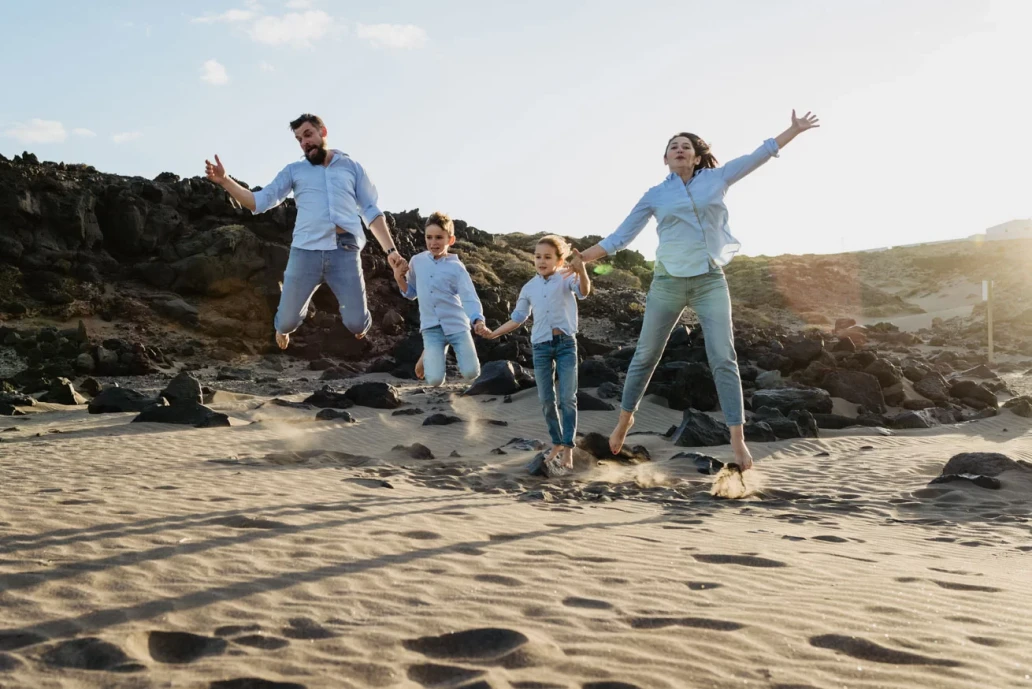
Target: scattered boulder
<point>331,414</point>
<point>983,464</point>
<point>375,395</point>
<point>63,392</point>
<point>693,387</point>
<point>497,378</point>
<point>441,420</point>
<point>91,386</point>
<point>608,391</point>
<point>856,386</point>
<point>802,352</point>
<point>115,400</point>
<point>814,400</point>
<point>230,373</point>
<point>593,372</point>
<point>934,387</point>
<point>597,445</point>
<point>970,390</point>
<point>1022,406</point>
<point>185,413</point>
<point>328,399</point>
<point>698,429</point>
<point>759,432</point>
<point>887,373</point>
<point>413,451</point>
<point>183,388</point>
<point>586,402</point>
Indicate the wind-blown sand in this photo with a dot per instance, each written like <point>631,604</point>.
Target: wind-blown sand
<point>307,567</point>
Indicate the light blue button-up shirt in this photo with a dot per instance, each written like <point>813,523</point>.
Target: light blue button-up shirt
<point>446,293</point>
<point>327,197</point>
<point>553,301</point>
<point>691,219</point>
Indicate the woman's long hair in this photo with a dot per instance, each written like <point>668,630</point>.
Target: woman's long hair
<point>702,149</point>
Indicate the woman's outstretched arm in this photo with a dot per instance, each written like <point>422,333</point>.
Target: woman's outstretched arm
<point>798,126</point>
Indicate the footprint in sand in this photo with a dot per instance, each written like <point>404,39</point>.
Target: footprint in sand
<point>499,579</point>
<point>89,653</point>
<point>242,522</point>
<point>831,539</point>
<point>702,585</point>
<point>235,629</point>
<point>182,647</point>
<point>588,603</point>
<point>486,644</point>
<point>691,622</point>
<point>253,683</point>
<point>863,649</point>
<point>740,560</point>
<point>304,628</point>
<point>266,643</point>
<point>431,675</point>
<point>12,641</point>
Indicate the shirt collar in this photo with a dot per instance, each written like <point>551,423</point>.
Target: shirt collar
<point>447,257</point>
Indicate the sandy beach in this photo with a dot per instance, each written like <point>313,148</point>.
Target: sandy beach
<point>288,552</point>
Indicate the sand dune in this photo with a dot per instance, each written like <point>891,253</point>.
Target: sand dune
<point>289,552</point>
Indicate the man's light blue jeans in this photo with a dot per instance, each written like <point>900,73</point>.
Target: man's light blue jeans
<point>435,349</point>
<point>341,269</point>
<point>557,359</point>
<point>668,297</point>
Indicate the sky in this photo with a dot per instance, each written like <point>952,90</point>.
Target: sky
<point>552,115</point>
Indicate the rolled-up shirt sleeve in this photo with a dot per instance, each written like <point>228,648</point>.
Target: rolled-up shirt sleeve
<point>366,195</point>
<point>522,311</point>
<point>468,296</point>
<point>630,228</point>
<point>273,195</point>
<point>738,168</point>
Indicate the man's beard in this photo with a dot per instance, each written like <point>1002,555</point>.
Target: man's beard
<point>318,158</point>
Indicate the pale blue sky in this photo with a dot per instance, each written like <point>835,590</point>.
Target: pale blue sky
<point>552,115</point>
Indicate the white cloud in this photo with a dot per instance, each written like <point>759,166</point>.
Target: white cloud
<point>213,72</point>
<point>297,29</point>
<point>402,36</point>
<point>266,67</point>
<point>122,137</point>
<point>38,132</point>
<point>229,16</point>
<point>299,4</point>
<point>82,131</point>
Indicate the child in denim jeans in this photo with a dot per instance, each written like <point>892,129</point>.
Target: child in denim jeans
<point>447,302</point>
<point>552,298</point>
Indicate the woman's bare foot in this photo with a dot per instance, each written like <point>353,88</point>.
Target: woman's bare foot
<point>553,453</point>
<point>743,458</point>
<point>419,367</point>
<point>282,339</point>
<point>567,462</point>
<point>619,434</point>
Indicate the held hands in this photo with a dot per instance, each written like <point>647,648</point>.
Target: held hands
<point>576,261</point>
<point>217,172</point>
<point>481,329</point>
<point>398,264</point>
<point>807,121</point>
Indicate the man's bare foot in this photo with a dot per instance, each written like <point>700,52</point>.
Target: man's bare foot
<point>743,458</point>
<point>567,458</point>
<point>419,367</point>
<point>619,434</point>
<point>282,339</point>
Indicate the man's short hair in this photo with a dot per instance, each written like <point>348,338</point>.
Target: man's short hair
<point>442,220</point>
<point>314,120</point>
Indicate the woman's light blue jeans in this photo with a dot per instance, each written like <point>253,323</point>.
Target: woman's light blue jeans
<point>341,269</point>
<point>668,297</point>
<point>557,359</point>
<point>435,350</point>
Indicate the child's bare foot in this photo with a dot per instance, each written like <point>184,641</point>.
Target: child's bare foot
<point>419,367</point>
<point>619,434</point>
<point>567,458</point>
<point>553,453</point>
<point>282,339</point>
<point>360,336</point>
<point>743,458</point>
